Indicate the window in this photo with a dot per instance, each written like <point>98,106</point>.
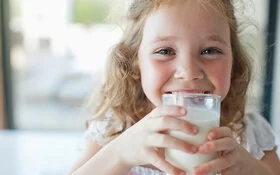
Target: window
<point>58,52</point>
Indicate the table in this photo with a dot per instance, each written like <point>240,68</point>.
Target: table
<point>38,152</point>
<point>42,152</point>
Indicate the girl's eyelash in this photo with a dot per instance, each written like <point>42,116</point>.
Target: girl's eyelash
<point>166,51</point>
<point>171,52</point>
<point>211,51</point>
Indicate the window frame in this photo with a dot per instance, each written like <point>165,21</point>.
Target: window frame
<point>6,65</point>
<point>270,58</point>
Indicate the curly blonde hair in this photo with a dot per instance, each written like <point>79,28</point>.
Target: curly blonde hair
<point>122,92</point>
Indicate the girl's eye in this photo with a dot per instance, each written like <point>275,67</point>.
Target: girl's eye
<point>211,51</point>
<point>167,51</point>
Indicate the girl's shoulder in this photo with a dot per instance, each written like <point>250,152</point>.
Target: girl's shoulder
<point>98,128</point>
<point>258,135</point>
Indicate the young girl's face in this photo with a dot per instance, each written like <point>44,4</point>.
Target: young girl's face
<point>185,48</point>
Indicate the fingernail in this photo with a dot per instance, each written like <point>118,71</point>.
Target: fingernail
<point>212,135</point>
<point>195,130</point>
<point>194,149</point>
<point>201,148</point>
<point>182,173</point>
<point>196,169</point>
<point>182,111</point>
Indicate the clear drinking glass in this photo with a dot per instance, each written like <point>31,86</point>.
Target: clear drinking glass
<point>203,110</point>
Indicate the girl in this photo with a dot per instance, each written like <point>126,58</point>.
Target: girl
<point>172,46</point>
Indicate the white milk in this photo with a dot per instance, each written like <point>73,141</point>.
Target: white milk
<point>206,120</point>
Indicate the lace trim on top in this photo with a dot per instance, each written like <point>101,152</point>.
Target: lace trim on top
<point>259,136</point>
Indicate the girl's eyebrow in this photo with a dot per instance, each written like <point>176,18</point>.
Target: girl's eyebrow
<point>217,38</point>
<point>164,38</point>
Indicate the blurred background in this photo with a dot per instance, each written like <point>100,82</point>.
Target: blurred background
<point>52,57</point>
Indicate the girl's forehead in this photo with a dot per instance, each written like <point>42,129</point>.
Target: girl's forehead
<point>189,24</point>
<point>212,6</point>
<point>191,15</point>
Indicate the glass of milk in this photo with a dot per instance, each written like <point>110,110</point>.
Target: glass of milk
<point>204,112</point>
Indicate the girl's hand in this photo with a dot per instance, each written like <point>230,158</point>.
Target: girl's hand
<point>233,160</point>
<point>141,143</point>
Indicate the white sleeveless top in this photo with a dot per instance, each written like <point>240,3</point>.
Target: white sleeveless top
<point>258,137</point>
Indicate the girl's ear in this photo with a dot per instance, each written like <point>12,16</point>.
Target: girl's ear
<point>137,76</point>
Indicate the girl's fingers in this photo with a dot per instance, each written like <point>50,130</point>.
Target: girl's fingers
<point>159,162</point>
<point>215,166</point>
<point>166,141</point>
<point>219,133</point>
<point>225,144</point>
<point>167,123</point>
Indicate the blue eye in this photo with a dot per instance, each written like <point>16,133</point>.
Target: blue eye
<point>211,51</point>
<point>167,51</point>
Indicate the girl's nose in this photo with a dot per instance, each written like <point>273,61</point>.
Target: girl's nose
<point>189,72</point>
